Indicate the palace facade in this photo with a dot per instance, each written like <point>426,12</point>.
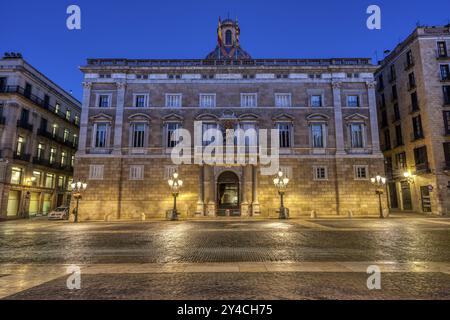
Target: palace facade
<point>324,109</point>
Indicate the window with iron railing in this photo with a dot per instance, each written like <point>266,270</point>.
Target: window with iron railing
<point>445,72</point>
<point>417,128</point>
<point>442,49</point>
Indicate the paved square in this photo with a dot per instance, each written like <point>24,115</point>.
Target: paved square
<point>227,259</point>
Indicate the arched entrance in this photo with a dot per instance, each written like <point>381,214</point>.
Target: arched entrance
<point>228,194</point>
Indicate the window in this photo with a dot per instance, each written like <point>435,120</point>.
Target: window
<point>316,101</point>
<point>77,120</point>
<point>411,81</point>
<point>380,82</point>
<point>96,172</point>
<point>49,180</point>
<point>393,74</point>
<point>103,100</point>
<point>63,159</point>
<point>320,173</point>
<point>284,134</point>
<point>138,135</point>
<point>75,140</point>
<point>357,135</point>
<point>414,102</point>
<point>398,135</point>
<point>248,100</point>
<point>16,175</point>
<point>207,100</point>
<point>396,112</point>
<point>409,59</point>
<point>400,160</point>
<point>442,49</point>
<point>394,93</point>
<point>361,172</point>
<point>171,134</point>
<point>20,146</point>
<point>446,146</point>
<point>287,172</point>
<point>52,155</point>
<point>447,122</point>
<point>68,114</point>
<point>283,100</point>
<point>66,135</point>
<point>318,135</point>
<point>137,172</point>
<point>446,92</point>
<point>72,161</point>
<point>36,181</point>
<point>169,171</point>
<point>141,100</point>
<point>100,135</point>
<point>173,100</point>
<point>384,119</point>
<point>250,134</point>
<point>445,72</point>
<point>40,151</point>
<point>228,37</point>
<point>353,101</point>
<point>420,157</point>
<point>417,128</point>
<point>57,108</point>
<point>54,130</point>
<point>62,182</point>
<point>387,140</point>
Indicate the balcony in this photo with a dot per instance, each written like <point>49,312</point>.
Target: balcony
<point>422,168</point>
<point>41,161</point>
<point>411,86</point>
<point>414,108</point>
<point>445,78</point>
<point>36,100</point>
<point>44,133</point>
<point>22,157</point>
<point>24,125</point>
<point>442,55</point>
<point>417,136</point>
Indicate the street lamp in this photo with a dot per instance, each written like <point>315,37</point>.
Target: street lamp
<point>175,184</point>
<point>281,183</point>
<point>409,177</point>
<point>77,188</point>
<point>379,182</point>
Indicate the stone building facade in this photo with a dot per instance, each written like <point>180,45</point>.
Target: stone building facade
<point>39,128</point>
<point>324,109</point>
<point>414,119</point>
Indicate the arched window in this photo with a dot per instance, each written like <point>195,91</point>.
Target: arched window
<point>228,36</point>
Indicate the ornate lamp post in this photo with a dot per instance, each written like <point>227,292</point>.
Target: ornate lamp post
<point>175,184</point>
<point>380,183</point>
<point>77,188</point>
<point>281,183</point>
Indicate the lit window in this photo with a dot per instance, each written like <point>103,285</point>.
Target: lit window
<point>68,113</point>
<point>63,158</point>
<point>57,108</point>
<point>52,155</point>
<point>77,120</point>
<point>66,135</point>
<point>55,130</point>
<point>36,181</point>
<point>16,175</point>
<point>49,180</point>
<point>20,146</point>
<point>40,151</point>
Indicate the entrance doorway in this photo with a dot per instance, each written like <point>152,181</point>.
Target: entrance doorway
<point>426,199</point>
<point>406,196</point>
<point>228,194</point>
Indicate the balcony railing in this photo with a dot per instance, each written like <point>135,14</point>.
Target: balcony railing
<point>411,85</point>
<point>414,108</point>
<point>36,100</point>
<point>41,161</point>
<point>417,136</point>
<point>442,54</point>
<point>24,125</point>
<point>22,156</point>
<point>409,64</point>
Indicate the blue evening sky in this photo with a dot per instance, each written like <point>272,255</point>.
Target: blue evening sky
<point>187,29</point>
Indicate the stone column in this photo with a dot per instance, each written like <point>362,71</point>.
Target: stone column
<point>210,187</point>
<point>338,121</point>
<point>255,203</point>
<point>244,202</point>
<point>201,191</point>
<point>82,140</point>
<point>117,149</point>
<point>373,117</point>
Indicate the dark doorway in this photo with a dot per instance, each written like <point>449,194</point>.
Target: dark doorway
<point>228,194</point>
<point>393,199</point>
<point>426,199</point>
<point>406,196</point>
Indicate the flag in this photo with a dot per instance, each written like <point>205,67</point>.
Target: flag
<point>219,33</point>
